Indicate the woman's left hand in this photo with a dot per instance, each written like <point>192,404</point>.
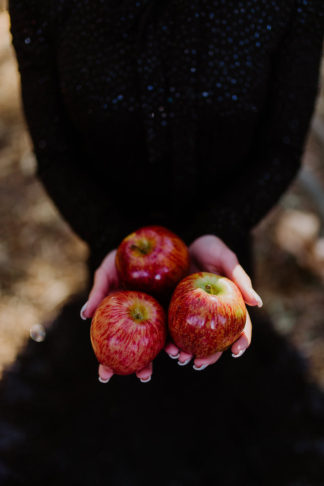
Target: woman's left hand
<point>210,254</point>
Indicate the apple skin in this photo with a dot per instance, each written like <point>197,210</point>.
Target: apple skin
<point>202,323</point>
<point>127,331</point>
<point>153,259</point>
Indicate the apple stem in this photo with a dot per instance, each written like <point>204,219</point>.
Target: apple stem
<point>143,248</point>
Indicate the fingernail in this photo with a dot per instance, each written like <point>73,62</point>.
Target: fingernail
<point>200,367</point>
<point>83,308</point>
<point>102,380</point>
<point>184,363</point>
<point>145,380</point>
<point>174,356</point>
<point>242,351</point>
<point>256,297</point>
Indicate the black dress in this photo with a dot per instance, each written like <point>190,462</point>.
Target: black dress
<point>192,115</point>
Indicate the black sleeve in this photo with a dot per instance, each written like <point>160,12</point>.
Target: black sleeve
<point>61,164</point>
<point>280,141</point>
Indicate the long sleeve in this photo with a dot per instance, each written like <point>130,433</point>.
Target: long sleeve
<point>61,164</point>
<point>279,144</point>
<point>127,84</point>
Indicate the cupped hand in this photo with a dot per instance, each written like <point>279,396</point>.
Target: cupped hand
<point>210,254</point>
<point>106,280</point>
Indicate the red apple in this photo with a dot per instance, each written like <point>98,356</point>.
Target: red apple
<point>127,331</point>
<point>206,314</point>
<point>153,260</point>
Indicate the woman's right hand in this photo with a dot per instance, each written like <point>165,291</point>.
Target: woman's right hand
<point>106,280</point>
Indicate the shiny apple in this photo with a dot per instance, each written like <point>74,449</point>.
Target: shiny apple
<point>127,331</point>
<point>206,314</point>
<point>152,259</point>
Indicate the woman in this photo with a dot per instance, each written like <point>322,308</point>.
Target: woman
<point>188,114</point>
<point>192,115</point>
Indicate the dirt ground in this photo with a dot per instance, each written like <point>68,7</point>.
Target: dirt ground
<point>42,263</point>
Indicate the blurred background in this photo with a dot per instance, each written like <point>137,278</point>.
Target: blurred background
<point>42,262</point>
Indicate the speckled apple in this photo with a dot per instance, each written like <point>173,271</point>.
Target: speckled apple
<point>153,259</point>
<point>206,314</point>
<point>127,331</point>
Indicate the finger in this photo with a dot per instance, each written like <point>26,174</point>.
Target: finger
<point>184,358</point>
<point>243,281</point>
<point>244,341</point>
<point>202,363</point>
<point>145,374</point>
<point>234,271</point>
<point>102,284</point>
<point>172,350</point>
<point>105,373</point>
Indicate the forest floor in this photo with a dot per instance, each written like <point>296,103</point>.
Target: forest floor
<point>42,262</point>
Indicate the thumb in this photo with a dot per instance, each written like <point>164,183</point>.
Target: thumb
<point>103,281</point>
<point>243,281</point>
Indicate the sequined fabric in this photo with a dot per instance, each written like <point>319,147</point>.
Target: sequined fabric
<point>189,114</point>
